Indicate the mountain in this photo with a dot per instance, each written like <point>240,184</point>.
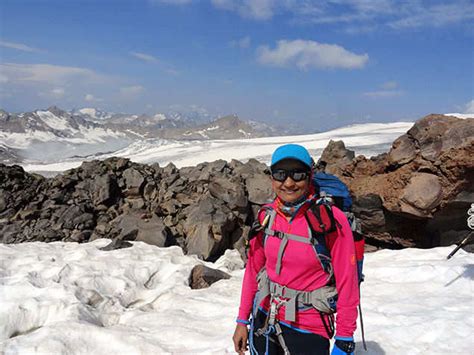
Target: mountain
<point>228,127</point>
<point>53,124</point>
<point>55,134</point>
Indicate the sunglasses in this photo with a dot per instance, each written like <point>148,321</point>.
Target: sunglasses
<point>296,175</point>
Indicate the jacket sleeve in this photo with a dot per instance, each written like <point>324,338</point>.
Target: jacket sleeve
<point>345,273</point>
<point>255,262</point>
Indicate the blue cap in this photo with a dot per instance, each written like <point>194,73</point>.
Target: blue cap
<point>292,151</point>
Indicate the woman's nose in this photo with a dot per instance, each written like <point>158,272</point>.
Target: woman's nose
<point>289,181</point>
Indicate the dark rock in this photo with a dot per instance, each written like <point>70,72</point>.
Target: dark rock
<point>143,228</point>
<point>134,181</point>
<point>105,190</point>
<point>116,244</point>
<point>228,190</point>
<point>369,209</point>
<point>208,228</point>
<point>259,189</point>
<point>203,277</point>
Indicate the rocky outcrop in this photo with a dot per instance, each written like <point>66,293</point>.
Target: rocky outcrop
<point>204,209</point>
<point>401,195</point>
<point>417,194</point>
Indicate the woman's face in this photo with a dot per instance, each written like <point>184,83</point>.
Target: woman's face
<point>290,190</point>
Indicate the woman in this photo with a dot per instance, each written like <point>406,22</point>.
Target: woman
<point>289,285</point>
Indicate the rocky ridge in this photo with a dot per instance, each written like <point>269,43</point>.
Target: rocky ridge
<point>415,195</point>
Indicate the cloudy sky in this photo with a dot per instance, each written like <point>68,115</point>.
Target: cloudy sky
<point>322,63</point>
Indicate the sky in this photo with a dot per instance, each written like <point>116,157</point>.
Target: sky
<point>318,64</point>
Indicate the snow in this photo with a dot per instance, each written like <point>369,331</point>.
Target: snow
<point>244,133</point>
<point>461,115</point>
<point>368,139</point>
<point>73,298</point>
<point>159,117</point>
<point>83,135</point>
<point>91,112</point>
<point>54,121</point>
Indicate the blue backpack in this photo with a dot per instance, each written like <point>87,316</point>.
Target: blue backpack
<point>334,188</point>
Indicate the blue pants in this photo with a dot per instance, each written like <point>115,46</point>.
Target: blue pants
<point>298,343</point>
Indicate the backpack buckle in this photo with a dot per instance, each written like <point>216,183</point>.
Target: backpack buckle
<point>278,234</point>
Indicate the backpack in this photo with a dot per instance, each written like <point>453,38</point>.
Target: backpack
<point>333,191</point>
<point>331,186</point>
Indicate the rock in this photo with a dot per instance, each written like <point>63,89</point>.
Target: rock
<point>9,233</point>
<point>369,209</point>
<point>134,181</point>
<point>422,194</point>
<point>336,156</point>
<point>230,191</point>
<point>116,244</point>
<point>259,189</point>
<point>141,228</point>
<point>403,151</point>
<point>203,277</point>
<point>208,228</point>
<point>437,133</point>
<point>104,190</point>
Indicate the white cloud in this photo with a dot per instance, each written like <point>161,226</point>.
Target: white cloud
<point>131,91</point>
<point>241,43</point>
<point>356,16</point>
<point>469,107</point>
<point>19,46</point>
<point>47,74</point>
<point>145,57</point>
<point>92,98</point>
<point>436,16</point>
<point>305,55</point>
<point>256,9</point>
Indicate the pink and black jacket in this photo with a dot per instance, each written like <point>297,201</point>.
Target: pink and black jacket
<point>301,270</point>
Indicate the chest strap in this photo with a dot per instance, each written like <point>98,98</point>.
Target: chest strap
<point>285,237</point>
<point>323,299</point>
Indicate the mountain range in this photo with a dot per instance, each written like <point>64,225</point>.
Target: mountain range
<point>44,134</point>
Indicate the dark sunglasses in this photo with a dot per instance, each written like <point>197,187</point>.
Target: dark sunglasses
<point>296,175</point>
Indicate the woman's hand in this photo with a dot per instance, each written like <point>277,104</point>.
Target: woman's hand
<point>240,338</point>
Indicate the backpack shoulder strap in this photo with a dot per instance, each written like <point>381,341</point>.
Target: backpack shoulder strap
<point>266,223</point>
<point>321,222</point>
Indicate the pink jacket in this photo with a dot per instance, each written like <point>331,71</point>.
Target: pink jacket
<point>301,270</point>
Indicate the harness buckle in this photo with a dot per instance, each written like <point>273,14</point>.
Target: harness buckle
<point>278,234</point>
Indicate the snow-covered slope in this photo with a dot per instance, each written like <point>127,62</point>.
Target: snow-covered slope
<point>52,125</point>
<point>68,298</point>
<point>368,139</point>
<point>461,115</point>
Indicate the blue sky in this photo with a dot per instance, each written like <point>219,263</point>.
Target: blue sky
<point>316,63</point>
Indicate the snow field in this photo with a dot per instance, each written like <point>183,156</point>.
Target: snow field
<point>68,298</point>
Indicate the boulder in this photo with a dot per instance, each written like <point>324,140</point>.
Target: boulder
<point>421,195</point>
<point>403,151</point>
<point>202,277</point>
<point>208,228</point>
<point>259,189</point>
<point>336,156</point>
<point>144,229</point>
